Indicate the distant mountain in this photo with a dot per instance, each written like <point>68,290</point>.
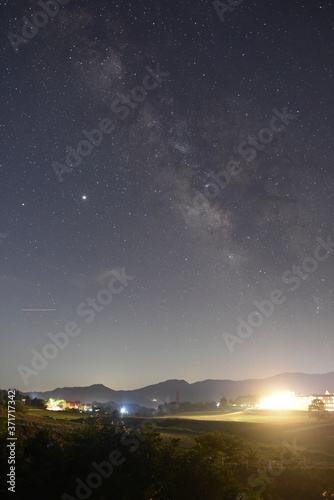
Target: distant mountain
<point>205,391</point>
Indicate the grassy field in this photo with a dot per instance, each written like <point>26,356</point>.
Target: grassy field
<point>257,416</point>
<point>267,430</point>
<point>42,419</point>
<point>263,427</point>
<point>308,441</point>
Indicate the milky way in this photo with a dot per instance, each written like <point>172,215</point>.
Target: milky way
<point>190,152</point>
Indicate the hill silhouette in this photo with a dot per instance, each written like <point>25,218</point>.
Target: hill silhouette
<point>204,391</point>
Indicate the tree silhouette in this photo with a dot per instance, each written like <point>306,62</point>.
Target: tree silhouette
<point>317,408</point>
<point>223,402</point>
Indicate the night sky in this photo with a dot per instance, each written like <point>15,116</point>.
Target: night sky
<point>141,248</point>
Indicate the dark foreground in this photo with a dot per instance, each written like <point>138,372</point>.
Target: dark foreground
<point>70,457</point>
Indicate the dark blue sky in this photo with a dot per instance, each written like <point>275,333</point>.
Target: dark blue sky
<point>145,263</point>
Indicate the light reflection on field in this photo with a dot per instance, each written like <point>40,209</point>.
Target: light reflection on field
<point>250,416</point>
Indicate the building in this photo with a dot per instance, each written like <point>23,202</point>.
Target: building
<point>327,398</point>
<point>289,401</point>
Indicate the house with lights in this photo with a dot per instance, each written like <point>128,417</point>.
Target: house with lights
<point>62,405</point>
<point>327,398</point>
